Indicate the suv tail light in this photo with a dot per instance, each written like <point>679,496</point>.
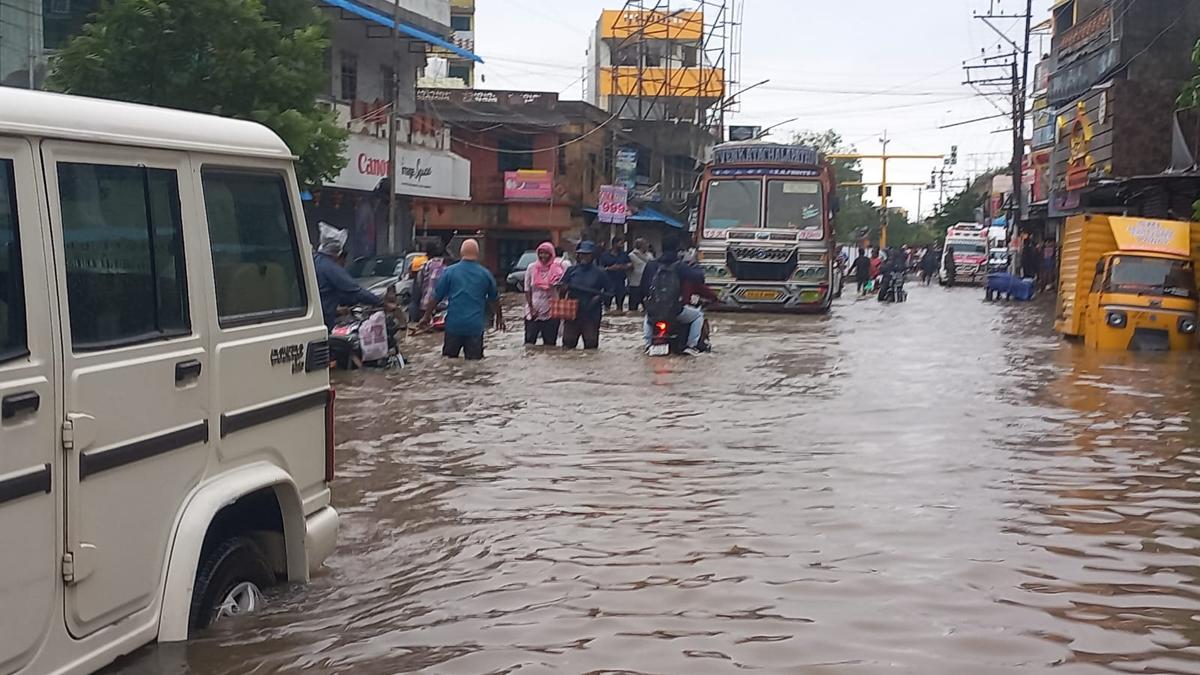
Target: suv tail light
<point>330,397</point>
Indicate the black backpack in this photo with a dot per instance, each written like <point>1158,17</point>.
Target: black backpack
<point>665,300</point>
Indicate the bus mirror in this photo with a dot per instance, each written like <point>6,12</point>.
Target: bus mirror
<point>835,204</point>
<point>693,200</point>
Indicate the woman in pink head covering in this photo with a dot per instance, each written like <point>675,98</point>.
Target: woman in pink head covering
<point>541,280</point>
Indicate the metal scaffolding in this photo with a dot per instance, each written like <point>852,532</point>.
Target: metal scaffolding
<point>676,78</point>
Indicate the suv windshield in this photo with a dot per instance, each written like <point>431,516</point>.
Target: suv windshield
<point>796,205</point>
<point>1156,276</point>
<point>732,203</point>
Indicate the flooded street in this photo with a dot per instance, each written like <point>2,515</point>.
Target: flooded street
<point>942,486</point>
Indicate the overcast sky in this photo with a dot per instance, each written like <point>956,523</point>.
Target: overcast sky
<point>855,66</point>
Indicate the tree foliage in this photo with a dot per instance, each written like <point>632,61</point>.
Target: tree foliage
<point>959,209</point>
<point>260,60</point>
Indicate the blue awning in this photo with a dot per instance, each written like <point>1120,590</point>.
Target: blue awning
<point>417,33</point>
<point>649,215</point>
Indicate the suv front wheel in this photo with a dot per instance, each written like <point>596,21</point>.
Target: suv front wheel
<point>230,582</point>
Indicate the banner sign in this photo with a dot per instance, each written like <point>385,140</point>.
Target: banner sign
<point>613,207</point>
<point>626,167</point>
<point>423,172</point>
<point>1157,236</point>
<point>528,186</point>
<point>744,133</point>
<point>765,153</point>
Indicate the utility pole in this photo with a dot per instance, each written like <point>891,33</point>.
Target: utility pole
<point>884,185</point>
<point>393,172</point>
<point>1019,81</point>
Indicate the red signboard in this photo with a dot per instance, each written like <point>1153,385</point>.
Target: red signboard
<point>528,186</point>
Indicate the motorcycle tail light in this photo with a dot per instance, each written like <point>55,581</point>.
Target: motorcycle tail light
<point>660,328</point>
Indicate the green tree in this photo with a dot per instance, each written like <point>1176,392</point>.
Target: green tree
<point>260,60</point>
<point>958,209</point>
<point>1189,99</point>
<point>855,214</point>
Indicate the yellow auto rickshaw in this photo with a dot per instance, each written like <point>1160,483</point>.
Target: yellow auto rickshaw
<point>1128,283</point>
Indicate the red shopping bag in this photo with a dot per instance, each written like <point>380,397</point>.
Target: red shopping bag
<point>564,309</point>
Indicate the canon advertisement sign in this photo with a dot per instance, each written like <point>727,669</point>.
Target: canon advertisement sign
<point>422,172</point>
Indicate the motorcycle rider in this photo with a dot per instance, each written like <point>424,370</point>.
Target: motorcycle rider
<point>663,282</point>
<point>334,284</point>
<point>896,267</point>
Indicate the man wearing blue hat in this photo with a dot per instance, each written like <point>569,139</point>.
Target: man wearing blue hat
<point>587,284</point>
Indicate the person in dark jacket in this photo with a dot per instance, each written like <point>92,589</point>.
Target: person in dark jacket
<point>689,276</point>
<point>617,263</point>
<point>929,265</point>
<point>949,265</point>
<point>861,267</point>
<point>587,284</point>
<point>334,284</point>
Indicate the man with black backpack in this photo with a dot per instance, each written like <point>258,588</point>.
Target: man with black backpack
<point>663,283</point>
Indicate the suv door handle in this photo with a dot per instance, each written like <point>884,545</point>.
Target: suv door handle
<point>187,370</point>
<point>26,401</point>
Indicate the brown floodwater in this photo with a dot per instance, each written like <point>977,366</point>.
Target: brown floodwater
<point>942,486</point>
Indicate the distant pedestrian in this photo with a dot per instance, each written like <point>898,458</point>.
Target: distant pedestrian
<point>587,284</point>
<point>638,257</point>
<point>949,266</point>
<point>861,268</point>
<point>876,265</point>
<point>1031,259</point>
<point>469,290</point>
<point>542,279</point>
<point>425,281</point>
<point>617,263</point>
<point>929,265</point>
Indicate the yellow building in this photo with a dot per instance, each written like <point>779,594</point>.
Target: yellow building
<point>654,64</point>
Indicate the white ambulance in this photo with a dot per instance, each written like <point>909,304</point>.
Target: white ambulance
<point>165,409</point>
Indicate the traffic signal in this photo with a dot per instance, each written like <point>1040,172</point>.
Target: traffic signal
<point>953,155</point>
<point>879,191</point>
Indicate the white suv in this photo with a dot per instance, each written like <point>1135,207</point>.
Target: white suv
<point>165,410</point>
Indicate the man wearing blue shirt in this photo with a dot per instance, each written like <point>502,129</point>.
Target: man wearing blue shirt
<point>468,289</point>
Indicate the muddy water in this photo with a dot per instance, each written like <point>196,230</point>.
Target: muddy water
<point>938,487</point>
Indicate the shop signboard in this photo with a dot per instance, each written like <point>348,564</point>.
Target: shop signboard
<point>613,206</point>
<point>422,172</point>
<point>529,185</point>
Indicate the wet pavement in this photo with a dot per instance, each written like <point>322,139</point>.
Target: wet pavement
<point>942,486</point>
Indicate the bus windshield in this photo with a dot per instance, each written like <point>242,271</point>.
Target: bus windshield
<point>796,205</point>
<point>732,203</point>
<point>1157,276</point>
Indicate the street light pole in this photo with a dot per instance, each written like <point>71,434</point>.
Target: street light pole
<point>393,173</point>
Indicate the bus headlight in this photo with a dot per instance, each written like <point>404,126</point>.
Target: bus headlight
<point>1117,319</point>
<point>1187,325</point>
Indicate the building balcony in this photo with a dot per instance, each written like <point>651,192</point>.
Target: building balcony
<point>696,82</point>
